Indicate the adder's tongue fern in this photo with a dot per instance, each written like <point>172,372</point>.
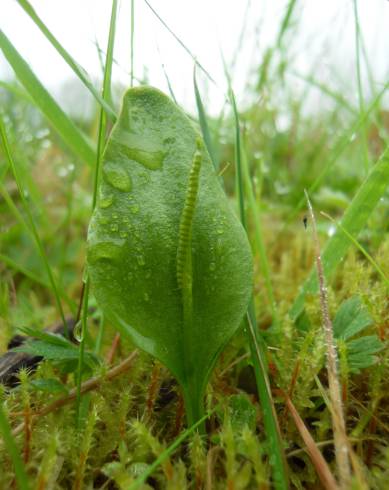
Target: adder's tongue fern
<point>169,262</point>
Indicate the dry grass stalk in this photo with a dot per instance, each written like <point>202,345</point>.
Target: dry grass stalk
<point>325,475</point>
<point>339,427</point>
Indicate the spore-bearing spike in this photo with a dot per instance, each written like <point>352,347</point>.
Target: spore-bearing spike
<point>185,230</point>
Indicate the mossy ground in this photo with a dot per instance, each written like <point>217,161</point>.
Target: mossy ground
<point>130,420</point>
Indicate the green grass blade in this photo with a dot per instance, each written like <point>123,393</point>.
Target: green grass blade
<point>360,90</point>
<point>286,22</point>
<point>180,42</point>
<point>15,89</point>
<point>359,83</point>
<point>203,122</point>
<point>106,94</point>
<point>325,89</point>
<point>257,347</point>
<point>9,441</point>
<point>77,69</point>
<point>67,130</point>
<point>168,451</point>
<point>360,248</point>
<point>34,277</point>
<point>342,144</point>
<point>132,40</point>
<point>354,219</point>
<point>258,233</point>
<point>31,223</point>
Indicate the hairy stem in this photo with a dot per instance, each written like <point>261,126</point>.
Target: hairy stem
<point>338,422</point>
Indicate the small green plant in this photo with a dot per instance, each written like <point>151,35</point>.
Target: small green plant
<point>169,262</point>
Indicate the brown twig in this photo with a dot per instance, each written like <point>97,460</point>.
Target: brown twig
<point>87,386</point>
<point>323,471</point>
<point>210,466</point>
<point>338,422</point>
<point>113,349</point>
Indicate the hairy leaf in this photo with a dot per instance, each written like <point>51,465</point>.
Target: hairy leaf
<point>169,262</point>
<point>351,318</point>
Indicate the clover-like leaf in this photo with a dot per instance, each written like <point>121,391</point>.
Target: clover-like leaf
<point>351,319</point>
<point>168,260</point>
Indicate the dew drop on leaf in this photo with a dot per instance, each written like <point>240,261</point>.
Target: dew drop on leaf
<point>117,176</point>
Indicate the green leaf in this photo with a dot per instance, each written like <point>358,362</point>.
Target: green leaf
<point>48,350</point>
<point>242,413</point>
<point>56,352</point>
<point>50,385</point>
<point>169,262</point>
<point>351,318</point>
<point>360,352</point>
<point>48,337</point>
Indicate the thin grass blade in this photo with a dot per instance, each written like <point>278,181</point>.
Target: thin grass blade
<point>257,346</point>
<point>64,126</point>
<point>203,122</point>
<point>339,148</point>
<point>168,451</point>
<point>77,69</point>
<point>106,94</point>
<point>354,219</point>
<point>31,224</point>
<point>20,471</point>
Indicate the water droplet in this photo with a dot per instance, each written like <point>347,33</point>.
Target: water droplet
<point>212,266</point>
<point>331,230</point>
<point>220,231</point>
<point>114,227</point>
<point>105,251</point>
<point>139,148</point>
<point>148,274</point>
<point>146,297</point>
<point>105,201</point>
<point>85,275</point>
<point>135,209</point>
<point>123,234</point>
<point>77,331</point>
<point>141,260</point>
<point>117,176</point>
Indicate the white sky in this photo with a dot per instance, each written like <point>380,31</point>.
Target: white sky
<point>323,38</point>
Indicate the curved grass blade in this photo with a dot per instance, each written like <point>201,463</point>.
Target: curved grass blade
<point>203,122</point>
<point>20,471</point>
<point>31,223</point>
<point>354,219</point>
<point>77,69</point>
<point>360,247</point>
<point>257,347</point>
<point>132,41</point>
<point>106,94</point>
<point>339,148</point>
<point>64,126</point>
<point>34,277</point>
<point>169,450</point>
<point>179,41</point>
<point>258,233</point>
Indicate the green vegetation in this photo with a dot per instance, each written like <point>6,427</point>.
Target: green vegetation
<point>128,224</point>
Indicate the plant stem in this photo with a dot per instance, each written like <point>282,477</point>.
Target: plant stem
<point>339,426</point>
